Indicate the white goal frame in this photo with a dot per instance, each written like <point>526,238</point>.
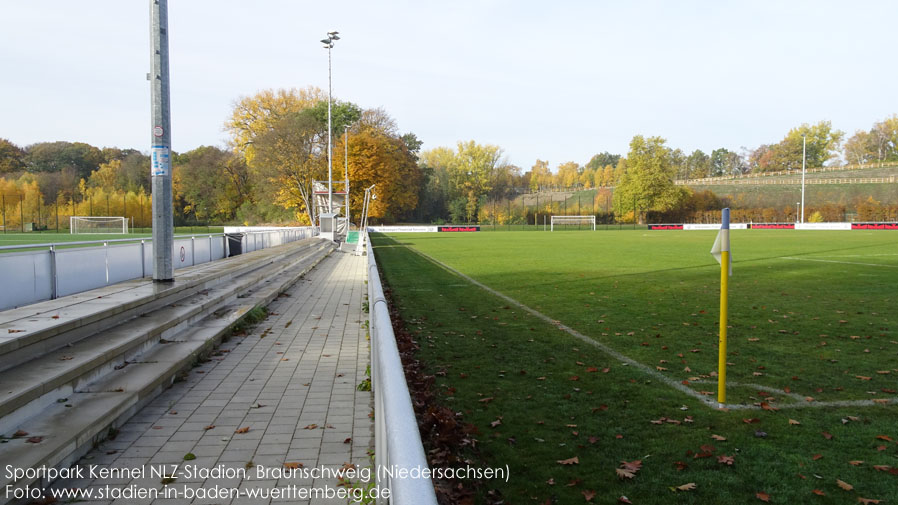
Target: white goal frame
<point>98,224</point>
<point>573,220</point>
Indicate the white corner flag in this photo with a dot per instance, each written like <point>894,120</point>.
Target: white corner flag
<point>722,242</point>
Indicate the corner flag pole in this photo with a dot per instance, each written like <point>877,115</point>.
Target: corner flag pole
<point>721,252</point>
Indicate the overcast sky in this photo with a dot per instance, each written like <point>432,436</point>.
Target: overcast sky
<point>556,80</point>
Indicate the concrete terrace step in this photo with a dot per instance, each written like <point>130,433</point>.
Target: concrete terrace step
<point>32,386</point>
<point>72,403</point>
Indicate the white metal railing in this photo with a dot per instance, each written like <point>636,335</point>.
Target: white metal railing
<point>36,272</point>
<point>397,441</point>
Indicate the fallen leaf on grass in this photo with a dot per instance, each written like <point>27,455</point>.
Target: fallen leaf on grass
<point>818,492</point>
<point>844,485</point>
<point>863,377</point>
<point>570,461</point>
<point>867,501</point>
<point>686,487</point>
<point>624,499</point>
<point>884,437</point>
<point>752,420</point>
<point>794,422</point>
<point>242,430</point>
<point>766,406</point>
<point>628,469</point>
<point>856,462</point>
<point>588,494</point>
<point>726,460</point>
<point>764,497</point>
<point>495,423</point>
<point>815,457</point>
<point>827,435</point>
<point>719,438</point>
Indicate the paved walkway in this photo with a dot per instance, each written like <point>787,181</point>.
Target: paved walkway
<point>291,381</point>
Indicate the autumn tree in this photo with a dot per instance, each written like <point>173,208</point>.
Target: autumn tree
<point>389,161</point>
<point>648,179</point>
<point>540,175</point>
<point>54,156</point>
<point>600,161</point>
<point>698,165</point>
<point>822,147</point>
<point>876,146</point>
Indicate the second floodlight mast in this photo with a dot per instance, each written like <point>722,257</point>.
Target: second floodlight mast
<point>327,221</point>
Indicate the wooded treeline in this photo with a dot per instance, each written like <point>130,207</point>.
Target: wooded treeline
<point>278,147</point>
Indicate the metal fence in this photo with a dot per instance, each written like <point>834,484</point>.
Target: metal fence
<point>792,181</point>
<point>397,441</point>
<point>56,270</point>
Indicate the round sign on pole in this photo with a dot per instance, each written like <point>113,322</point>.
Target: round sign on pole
<point>158,131</point>
<point>183,254</point>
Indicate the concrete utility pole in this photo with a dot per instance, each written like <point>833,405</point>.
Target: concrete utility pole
<point>163,225</point>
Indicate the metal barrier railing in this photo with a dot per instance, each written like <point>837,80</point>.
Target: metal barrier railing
<point>47,271</point>
<point>397,441</point>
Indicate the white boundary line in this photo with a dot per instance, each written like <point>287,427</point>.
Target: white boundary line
<point>648,370</point>
<point>840,262</point>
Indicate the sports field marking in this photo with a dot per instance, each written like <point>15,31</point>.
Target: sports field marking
<point>840,262</point>
<point>627,361</point>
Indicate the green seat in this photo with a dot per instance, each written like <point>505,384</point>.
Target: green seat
<point>352,237</point>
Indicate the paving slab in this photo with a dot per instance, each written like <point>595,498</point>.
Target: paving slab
<point>282,398</point>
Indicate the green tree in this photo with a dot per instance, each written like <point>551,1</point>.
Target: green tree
<point>212,183</point>
<point>698,165</point>
<point>12,157</point>
<point>648,181</point>
<point>54,156</point>
<point>599,161</point>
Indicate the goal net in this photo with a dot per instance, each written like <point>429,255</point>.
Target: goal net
<point>567,222</point>
<point>95,224</point>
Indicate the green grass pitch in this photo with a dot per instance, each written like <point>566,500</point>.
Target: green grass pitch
<point>812,336</point>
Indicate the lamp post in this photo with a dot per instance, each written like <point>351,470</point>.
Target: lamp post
<point>329,44</point>
<point>804,156</point>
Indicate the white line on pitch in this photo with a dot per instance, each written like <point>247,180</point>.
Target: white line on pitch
<point>840,262</point>
<point>645,368</point>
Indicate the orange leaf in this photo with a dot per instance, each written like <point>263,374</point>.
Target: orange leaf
<point>293,465</point>
<point>818,492</point>
<point>856,462</point>
<point>211,426</point>
<point>844,485</point>
<point>311,427</point>
<point>816,457</point>
<point>766,406</point>
<point>242,430</point>
<point>570,461</point>
<point>764,497</point>
<point>884,437</point>
<point>687,487</point>
<point>794,422</point>
<point>588,494</point>
<point>827,435</point>
<point>867,501</point>
<point>882,468</point>
<point>718,438</point>
<point>725,460</point>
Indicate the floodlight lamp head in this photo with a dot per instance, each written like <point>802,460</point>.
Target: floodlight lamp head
<point>325,41</point>
<point>333,34</point>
